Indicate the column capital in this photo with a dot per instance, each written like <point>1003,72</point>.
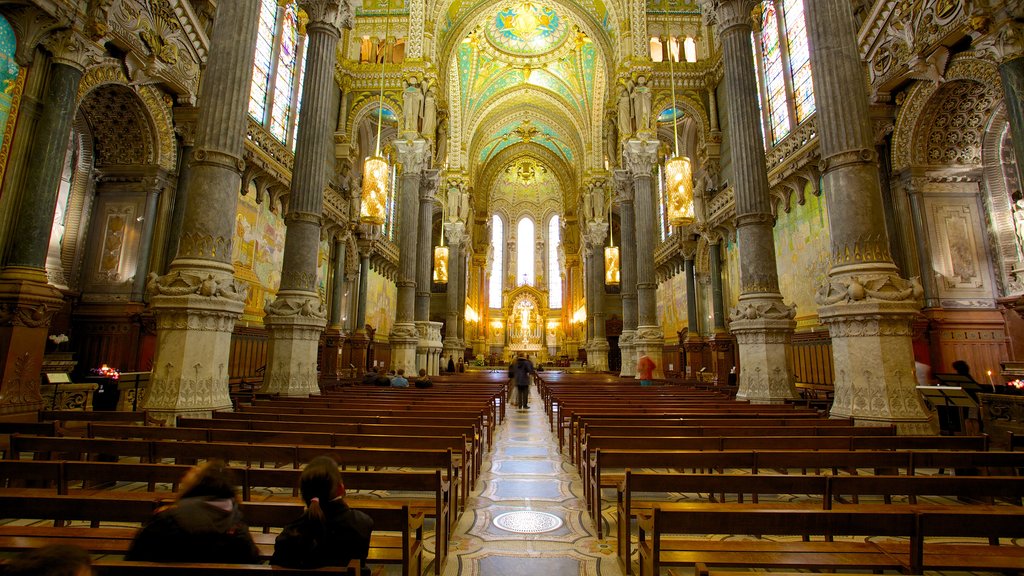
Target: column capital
<point>595,233</point>
<point>456,233</point>
<point>412,155</point>
<point>428,184</point>
<point>331,14</point>
<point>186,118</point>
<point>623,186</point>
<point>70,48</point>
<point>1002,41</point>
<point>640,156</point>
<point>728,14</point>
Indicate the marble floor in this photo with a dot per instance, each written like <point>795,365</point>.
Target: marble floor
<point>526,473</point>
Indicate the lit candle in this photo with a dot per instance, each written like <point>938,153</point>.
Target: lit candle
<point>990,383</point>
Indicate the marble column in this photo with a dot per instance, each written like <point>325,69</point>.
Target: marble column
<point>412,155</point>
<point>197,302</point>
<point>425,266</point>
<point>27,301</point>
<point>146,240</point>
<point>597,352</point>
<point>297,317</point>
<point>463,288</point>
<point>457,237</point>
<point>627,256</point>
<point>331,361</point>
<point>762,323</point>
<point>721,342</point>
<point>867,306</point>
<point>360,339</point>
<point>185,126</point>
<point>640,157</point>
<point>694,344</point>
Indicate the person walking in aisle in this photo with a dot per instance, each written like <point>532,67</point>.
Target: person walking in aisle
<point>522,369</point>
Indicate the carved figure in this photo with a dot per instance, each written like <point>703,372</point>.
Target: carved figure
<point>642,104</point>
<point>412,107</point>
<point>430,112</point>
<point>625,112</point>
<point>1018,221</point>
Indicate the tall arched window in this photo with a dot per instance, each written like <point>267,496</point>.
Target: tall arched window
<point>276,94</point>
<point>524,252</point>
<point>554,270</point>
<point>497,251</point>
<point>784,73</point>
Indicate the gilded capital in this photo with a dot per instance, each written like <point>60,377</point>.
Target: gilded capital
<point>412,155</point>
<point>329,13</point>
<point>70,48</point>
<point>640,156</point>
<point>1003,43</point>
<point>728,14</point>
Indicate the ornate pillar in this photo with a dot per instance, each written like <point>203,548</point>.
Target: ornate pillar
<point>27,301</point>
<point>597,349</point>
<point>424,268</point>
<point>197,302</point>
<point>457,237</point>
<point>146,241</point>
<point>412,154</point>
<point>297,316</point>
<point>185,126</point>
<point>640,156</point>
<point>333,333</point>
<point>627,247</point>
<point>463,288</point>
<point>721,342</point>
<point>763,324</point>
<point>867,306</point>
<point>694,344</point>
<point>360,340</point>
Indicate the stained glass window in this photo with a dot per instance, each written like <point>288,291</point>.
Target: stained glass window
<point>275,96</point>
<point>799,58</point>
<point>264,60</point>
<point>524,252</point>
<point>497,251</point>
<point>554,270</point>
<point>774,71</point>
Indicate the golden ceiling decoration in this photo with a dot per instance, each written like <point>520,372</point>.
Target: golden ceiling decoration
<point>525,170</point>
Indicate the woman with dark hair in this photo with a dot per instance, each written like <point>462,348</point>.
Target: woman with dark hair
<point>328,533</point>
<point>203,525</point>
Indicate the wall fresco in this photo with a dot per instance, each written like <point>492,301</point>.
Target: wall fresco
<point>802,244</point>
<point>11,79</point>
<point>671,306</point>
<point>381,303</point>
<point>258,253</point>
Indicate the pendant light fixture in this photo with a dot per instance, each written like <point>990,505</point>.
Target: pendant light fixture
<point>678,171</point>
<point>612,263</point>
<point>441,254</point>
<point>376,170</point>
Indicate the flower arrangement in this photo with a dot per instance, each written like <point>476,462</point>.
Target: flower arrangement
<point>58,340</point>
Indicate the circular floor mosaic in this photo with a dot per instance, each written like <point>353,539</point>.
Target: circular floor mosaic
<point>528,522</point>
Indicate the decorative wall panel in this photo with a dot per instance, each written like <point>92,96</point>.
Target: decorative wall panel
<point>802,245</point>
<point>959,255</point>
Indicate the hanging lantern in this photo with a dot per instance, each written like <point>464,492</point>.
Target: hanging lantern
<point>440,264</point>
<point>612,270</point>
<point>679,183</point>
<point>375,190</point>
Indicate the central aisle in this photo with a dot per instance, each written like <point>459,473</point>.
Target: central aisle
<point>526,474</point>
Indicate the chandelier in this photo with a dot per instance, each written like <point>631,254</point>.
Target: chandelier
<point>612,264</point>
<point>376,170</point>
<point>678,172</point>
<point>441,254</point>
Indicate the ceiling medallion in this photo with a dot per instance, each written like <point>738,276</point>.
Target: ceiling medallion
<point>526,29</point>
<point>525,170</point>
<point>526,131</point>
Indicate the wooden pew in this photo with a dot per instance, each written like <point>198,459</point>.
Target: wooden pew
<point>661,543</point>
<point>62,476</point>
<point>105,567</point>
<point>404,548</point>
<point>64,416</point>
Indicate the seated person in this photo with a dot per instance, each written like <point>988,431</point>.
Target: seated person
<point>381,379</point>
<point>424,381</point>
<point>203,525</point>
<point>370,378</point>
<point>51,560</point>
<point>328,533</point>
<point>400,381</point>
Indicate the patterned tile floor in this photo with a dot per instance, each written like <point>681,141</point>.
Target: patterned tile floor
<point>525,473</point>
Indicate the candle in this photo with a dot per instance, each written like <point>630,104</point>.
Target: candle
<point>990,383</point>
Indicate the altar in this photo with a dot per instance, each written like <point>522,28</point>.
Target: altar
<point>526,323</point>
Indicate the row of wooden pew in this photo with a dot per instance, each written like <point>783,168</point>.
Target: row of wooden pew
<point>422,443</point>
<point>793,472</point>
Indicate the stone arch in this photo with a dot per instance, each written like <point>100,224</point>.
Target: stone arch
<point>151,107</point>
<point>997,181</point>
<point>966,77</point>
<point>692,108</point>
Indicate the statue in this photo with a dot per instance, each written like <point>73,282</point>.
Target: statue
<point>412,106</point>
<point>430,112</point>
<point>625,112</point>
<point>642,104</point>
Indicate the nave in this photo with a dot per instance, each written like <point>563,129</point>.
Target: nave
<point>546,526</point>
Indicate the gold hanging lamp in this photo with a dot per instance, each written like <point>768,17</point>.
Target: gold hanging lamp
<point>678,170</point>
<point>612,263</point>
<point>373,208</point>
<point>441,256</point>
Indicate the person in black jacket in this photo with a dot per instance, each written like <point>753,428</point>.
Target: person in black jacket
<point>328,533</point>
<point>203,525</point>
